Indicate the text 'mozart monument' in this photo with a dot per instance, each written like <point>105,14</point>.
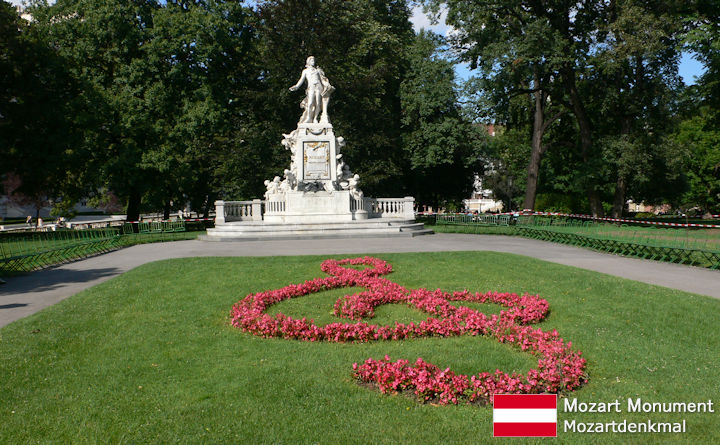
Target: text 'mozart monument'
<point>318,196</point>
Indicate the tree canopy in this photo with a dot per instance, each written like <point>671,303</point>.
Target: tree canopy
<point>164,103</point>
<point>593,85</point>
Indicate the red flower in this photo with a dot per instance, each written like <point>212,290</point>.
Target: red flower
<point>559,367</point>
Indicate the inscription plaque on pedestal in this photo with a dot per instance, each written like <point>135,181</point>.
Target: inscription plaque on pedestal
<point>316,160</point>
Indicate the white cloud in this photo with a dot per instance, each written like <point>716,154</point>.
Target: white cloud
<point>420,21</point>
<point>20,2</point>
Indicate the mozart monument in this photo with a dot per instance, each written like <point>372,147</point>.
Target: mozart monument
<point>318,195</point>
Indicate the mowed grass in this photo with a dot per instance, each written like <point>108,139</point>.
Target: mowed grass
<point>150,357</point>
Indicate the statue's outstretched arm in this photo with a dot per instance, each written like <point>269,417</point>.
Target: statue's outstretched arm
<point>300,82</point>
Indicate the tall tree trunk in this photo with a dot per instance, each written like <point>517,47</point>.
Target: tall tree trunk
<point>209,204</point>
<point>586,142</point>
<point>166,210</point>
<point>536,153</point>
<point>621,182</point>
<point>619,201</point>
<point>133,207</point>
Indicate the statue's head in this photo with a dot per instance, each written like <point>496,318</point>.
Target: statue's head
<point>310,61</point>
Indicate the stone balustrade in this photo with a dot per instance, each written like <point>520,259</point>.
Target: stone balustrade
<point>229,211</point>
<point>357,204</point>
<point>274,206</point>
<point>391,207</point>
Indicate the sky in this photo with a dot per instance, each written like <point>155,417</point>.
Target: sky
<point>689,68</point>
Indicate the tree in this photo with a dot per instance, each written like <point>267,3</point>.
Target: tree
<point>637,72</point>
<point>155,76</point>
<point>515,52</point>
<point>11,186</point>
<point>38,144</point>
<point>529,47</point>
<point>605,63</point>
<point>197,53</point>
<point>698,132</point>
<point>506,156</point>
<point>701,136</point>
<point>438,142</point>
<point>703,39</point>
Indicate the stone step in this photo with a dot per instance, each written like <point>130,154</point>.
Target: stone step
<point>411,226</point>
<point>255,230</point>
<point>274,227</point>
<point>334,235</point>
<point>359,222</point>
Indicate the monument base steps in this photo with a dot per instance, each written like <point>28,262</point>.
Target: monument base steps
<point>261,230</point>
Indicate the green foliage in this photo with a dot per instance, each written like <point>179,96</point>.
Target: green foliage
<point>611,66</point>
<point>559,202</point>
<point>439,144</point>
<point>703,40</point>
<point>38,97</point>
<point>154,82</point>
<point>506,162</point>
<point>702,138</point>
<point>165,103</point>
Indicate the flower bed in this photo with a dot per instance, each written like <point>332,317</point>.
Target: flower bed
<point>560,368</point>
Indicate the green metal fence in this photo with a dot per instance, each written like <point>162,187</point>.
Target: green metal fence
<point>20,252</point>
<point>31,250</point>
<point>696,246</point>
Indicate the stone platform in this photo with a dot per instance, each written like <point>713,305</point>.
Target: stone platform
<point>262,230</point>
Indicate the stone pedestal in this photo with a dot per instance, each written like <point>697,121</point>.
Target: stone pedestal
<point>312,207</point>
<point>315,155</point>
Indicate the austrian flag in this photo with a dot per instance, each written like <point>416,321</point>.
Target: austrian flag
<point>525,415</point>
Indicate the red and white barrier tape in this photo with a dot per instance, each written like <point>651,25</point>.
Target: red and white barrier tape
<point>620,220</point>
<point>630,221</point>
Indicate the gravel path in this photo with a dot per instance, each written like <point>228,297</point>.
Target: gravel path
<point>27,294</point>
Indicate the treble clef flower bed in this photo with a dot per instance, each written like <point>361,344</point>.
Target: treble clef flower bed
<point>560,368</point>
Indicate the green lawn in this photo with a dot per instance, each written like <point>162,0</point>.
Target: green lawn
<point>23,252</point>
<point>150,357</point>
<point>681,238</point>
